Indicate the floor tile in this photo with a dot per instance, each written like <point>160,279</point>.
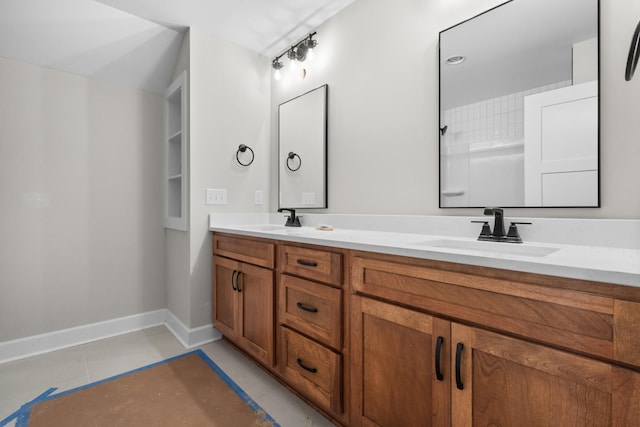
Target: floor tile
<point>113,356</point>
<point>285,407</point>
<point>23,380</point>
<point>42,371</point>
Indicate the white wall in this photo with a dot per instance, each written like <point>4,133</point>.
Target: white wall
<point>380,60</point>
<point>176,241</point>
<point>229,106</point>
<point>81,230</point>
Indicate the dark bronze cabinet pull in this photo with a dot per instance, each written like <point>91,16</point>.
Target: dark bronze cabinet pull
<point>238,282</point>
<point>459,349</point>
<point>306,368</point>
<point>304,307</point>
<point>233,279</point>
<point>439,343</point>
<point>307,263</point>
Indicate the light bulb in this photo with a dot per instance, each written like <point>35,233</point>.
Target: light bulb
<point>277,75</point>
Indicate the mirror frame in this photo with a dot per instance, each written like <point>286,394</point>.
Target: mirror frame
<point>440,118</point>
<point>325,129</point>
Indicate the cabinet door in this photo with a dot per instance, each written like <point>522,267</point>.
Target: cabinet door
<point>255,291</point>
<point>225,300</point>
<point>394,380</point>
<point>508,382</point>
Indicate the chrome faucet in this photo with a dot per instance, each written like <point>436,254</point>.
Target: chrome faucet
<point>292,220</point>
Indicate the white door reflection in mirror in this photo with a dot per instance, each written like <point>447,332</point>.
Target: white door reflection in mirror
<point>561,147</point>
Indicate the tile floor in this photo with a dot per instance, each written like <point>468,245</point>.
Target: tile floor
<point>23,380</point>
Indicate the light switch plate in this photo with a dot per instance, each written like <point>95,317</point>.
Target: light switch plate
<point>215,196</point>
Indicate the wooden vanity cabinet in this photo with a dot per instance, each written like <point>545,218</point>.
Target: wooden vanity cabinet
<point>243,295</point>
<point>514,352</point>
<point>383,340</point>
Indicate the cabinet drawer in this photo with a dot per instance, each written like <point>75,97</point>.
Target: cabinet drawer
<point>311,308</point>
<point>314,264</point>
<point>312,369</point>
<point>573,320</point>
<point>248,250</point>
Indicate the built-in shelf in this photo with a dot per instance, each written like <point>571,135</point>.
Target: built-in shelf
<point>176,173</point>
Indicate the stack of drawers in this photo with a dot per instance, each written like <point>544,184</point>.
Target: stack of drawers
<point>310,307</point>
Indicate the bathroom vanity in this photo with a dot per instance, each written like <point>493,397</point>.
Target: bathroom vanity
<point>373,335</point>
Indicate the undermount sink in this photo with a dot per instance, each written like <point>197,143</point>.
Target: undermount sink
<point>490,247</point>
<point>272,228</point>
<point>266,227</point>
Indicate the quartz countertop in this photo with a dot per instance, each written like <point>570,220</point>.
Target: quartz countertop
<point>617,265</point>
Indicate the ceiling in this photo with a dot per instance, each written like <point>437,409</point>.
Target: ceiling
<point>520,45</point>
<point>136,42</point>
<point>264,26</point>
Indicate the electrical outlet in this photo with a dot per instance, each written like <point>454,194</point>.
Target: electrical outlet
<point>215,196</point>
<point>258,197</point>
<point>308,198</point>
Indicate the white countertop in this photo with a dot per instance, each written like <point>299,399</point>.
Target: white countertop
<point>618,265</point>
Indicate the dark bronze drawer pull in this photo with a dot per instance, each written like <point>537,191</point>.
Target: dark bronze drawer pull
<point>304,307</point>
<point>307,263</point>
<point>306,368</point>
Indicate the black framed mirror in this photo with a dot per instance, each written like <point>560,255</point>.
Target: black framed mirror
<point>519,106</point>
<point>302,151</point>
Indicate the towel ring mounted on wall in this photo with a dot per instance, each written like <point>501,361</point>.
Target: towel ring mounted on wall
<point>241,149</point>
<point>634,54</point>
<point>292,156</point>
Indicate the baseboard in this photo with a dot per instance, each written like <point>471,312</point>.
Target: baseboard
<point>57,340</point>
<point>191,338</point>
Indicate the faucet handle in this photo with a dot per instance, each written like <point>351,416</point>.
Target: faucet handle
<point>513,236</point>
<point>485,233</point>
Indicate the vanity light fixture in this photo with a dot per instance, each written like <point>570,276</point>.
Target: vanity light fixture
<point>277,66</point>
<point>291,54</point>
<point>455,60</point>
<point>297,53</point>
<point>308,46</point>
